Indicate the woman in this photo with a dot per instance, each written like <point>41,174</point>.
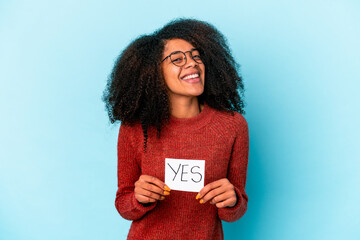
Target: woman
<point>176,93</point>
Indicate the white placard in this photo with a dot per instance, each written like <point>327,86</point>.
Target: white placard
<point>184,174</point>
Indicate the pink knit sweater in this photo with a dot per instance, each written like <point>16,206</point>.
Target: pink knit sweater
<point>219,138</point>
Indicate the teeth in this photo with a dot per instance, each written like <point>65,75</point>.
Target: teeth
<point>191,76</point>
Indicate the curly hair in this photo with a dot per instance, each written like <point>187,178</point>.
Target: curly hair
<point>136,90</point>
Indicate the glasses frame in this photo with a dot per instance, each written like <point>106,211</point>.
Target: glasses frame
<point>191,51</point>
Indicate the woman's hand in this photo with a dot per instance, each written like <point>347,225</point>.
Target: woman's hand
<point>149,189</point>
<point>220,192</point>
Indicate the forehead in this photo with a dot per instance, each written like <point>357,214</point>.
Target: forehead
<point>173,45</point>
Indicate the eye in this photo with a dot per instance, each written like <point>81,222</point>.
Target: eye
<point>177,60</point>
<point>177,57</point>
<point>195,54</point>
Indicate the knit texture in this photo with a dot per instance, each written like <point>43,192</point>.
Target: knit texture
<point>219,138</point>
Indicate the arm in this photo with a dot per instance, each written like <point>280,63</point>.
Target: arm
<point>237,172</point>
<point>128,173</point>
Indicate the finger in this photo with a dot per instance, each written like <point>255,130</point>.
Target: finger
<point>155,181</point>
<point>151,187</point>
<point>208,188</point>
<point>230,202</point>
<point>149,194</point>
<point>221,197</point>
<point>212,194</point>
<point>143,199</point>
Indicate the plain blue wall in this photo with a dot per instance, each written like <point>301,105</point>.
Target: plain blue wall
<point>301,66</point>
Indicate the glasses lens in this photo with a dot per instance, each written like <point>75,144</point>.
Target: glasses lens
<point>178,58</point>
<point>196,56</point>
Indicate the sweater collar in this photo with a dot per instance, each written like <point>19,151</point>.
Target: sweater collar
<point>193,123</point>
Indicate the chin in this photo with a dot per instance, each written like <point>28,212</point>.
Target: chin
<point>196,94</point>
<point>196,91</point>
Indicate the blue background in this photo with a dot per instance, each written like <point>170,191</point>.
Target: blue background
<point>300,61</point>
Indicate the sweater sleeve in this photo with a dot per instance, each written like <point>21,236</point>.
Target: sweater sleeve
<point>237,172</point>
<point>128,173</point>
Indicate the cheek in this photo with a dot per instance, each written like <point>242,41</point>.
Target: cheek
<point>203,72</point>
<point>170,76</point>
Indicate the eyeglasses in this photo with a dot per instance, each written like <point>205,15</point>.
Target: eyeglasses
<point>178,58</point>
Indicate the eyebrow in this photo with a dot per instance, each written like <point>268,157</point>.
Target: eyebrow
<point>193,49</point>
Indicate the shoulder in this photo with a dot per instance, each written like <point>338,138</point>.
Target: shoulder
<point>234,121</point>
<point>130,128</point>
<point>130,132</point>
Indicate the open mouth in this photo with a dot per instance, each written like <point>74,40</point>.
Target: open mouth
<point>191,78</point>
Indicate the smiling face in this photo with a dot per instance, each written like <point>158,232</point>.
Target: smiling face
<point>188,80</point>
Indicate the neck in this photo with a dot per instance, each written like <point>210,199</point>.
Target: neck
<point>185,108</point>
